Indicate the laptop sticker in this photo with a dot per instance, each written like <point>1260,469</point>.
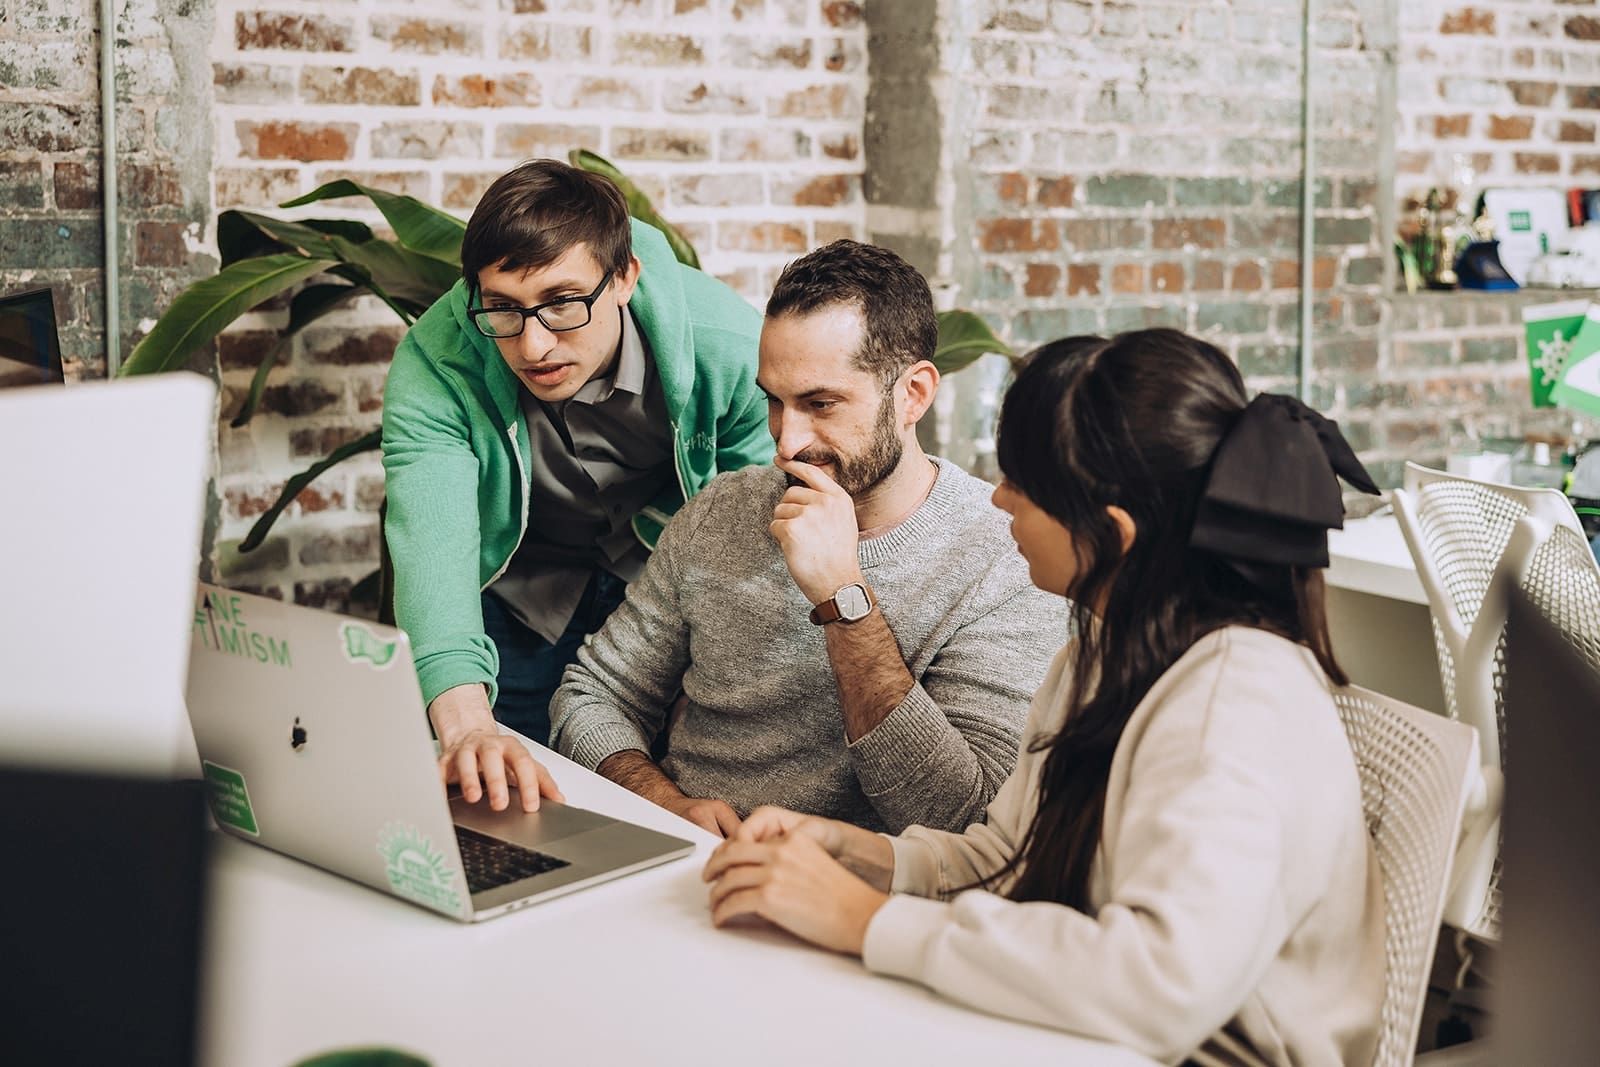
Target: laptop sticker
<point>416,870</point>
<point>219,620</point>
<point>230,799</point>
<point>361,643</point>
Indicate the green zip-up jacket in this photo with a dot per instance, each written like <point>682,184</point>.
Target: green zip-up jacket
<point>456,454</point>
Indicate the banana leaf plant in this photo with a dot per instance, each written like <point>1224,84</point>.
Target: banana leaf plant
<point>327,263</point>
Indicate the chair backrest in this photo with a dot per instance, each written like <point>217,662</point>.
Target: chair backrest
<point>1460,532</point>
<point>1467,537</point>
<point>1418,771</point>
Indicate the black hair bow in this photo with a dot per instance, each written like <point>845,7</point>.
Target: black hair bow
<point>1273,491</point>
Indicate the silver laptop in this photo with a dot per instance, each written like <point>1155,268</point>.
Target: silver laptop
<point>314,742</point>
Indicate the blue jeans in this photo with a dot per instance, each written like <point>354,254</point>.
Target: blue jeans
<point>530,666</point>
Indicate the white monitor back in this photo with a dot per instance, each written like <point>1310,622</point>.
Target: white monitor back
<point>102,496</point>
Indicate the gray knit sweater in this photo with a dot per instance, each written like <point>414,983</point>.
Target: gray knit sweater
<point>717,613</point>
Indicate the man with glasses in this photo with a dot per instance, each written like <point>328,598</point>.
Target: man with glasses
<point>541,424</point>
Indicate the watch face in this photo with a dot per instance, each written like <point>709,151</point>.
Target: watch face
<point>853,603</point>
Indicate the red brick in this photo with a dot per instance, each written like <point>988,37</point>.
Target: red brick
<point>543,43</point>
<point>630,143</point>
<point>244,348</point>
<point>526,141</point>
<point>344,348</point>
<point>77,186</point>
<point>658,50</point>
<point>306,142</point>
<point>1177,233</point>
<point>317,497</point>
<point>747,53</point>
<point>718,190</point>
<point>303,397</point>
<point>1083,279</point>
<point>1055,192</point>
<point>428,36</point>
<point>1537,163</point>
<point>254,186</point>
<point>370,492</point>
<point>1324,271</point>
<point>1452,125</point>
<point>146,185</point>
<point>1532,94</point>
<point>1166,277</point>
<point>359,85</point>
<point>1043,279</point>
<point>1096,235</point>
<point>1247,277</point>
<point>369,395</point>
<point>1582,28</point>
<point>766,145</point>
<point>412,183</point>
<point>842,13</point>
<point>608,93</point>
<point>1018,235</point>
<point>1510,127</point>
<point>1586,164</point>
<point>1575,132</point>
<point>827,190</point>
<point>1468,20</point>
<point>840,146</point>
<point>842,56</point>
<point>248,501</point>
<point>817,102</point>
<point>316,443</point>
<point>301,33</point>
<point>1127,278</point>
<point>465,190</point>
<point>346,546</point>
<point>1208,275</point>
<point>1010,188</point>
<point>761,237</point>
<point>826,231</point>
<point>160,244</point>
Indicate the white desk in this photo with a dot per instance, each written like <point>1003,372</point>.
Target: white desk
<point>299,961</point>
<point>1378,613</point>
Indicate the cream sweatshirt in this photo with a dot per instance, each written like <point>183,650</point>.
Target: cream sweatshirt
<point>1237,907</point>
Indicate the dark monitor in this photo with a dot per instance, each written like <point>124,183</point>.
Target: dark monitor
<point>30,350</point>
<point>101,913</point>
<point>1549,962</point>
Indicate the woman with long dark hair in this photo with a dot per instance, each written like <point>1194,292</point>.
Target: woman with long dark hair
<point>1179,863</point>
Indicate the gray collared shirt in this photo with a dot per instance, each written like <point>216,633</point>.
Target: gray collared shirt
<point>597,459</point>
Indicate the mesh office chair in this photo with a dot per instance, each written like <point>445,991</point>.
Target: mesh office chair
<point>1462,533</point>
<point>1418,771</point>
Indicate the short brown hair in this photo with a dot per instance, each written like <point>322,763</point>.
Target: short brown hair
<point>896,305</point>
<point>539,209</point>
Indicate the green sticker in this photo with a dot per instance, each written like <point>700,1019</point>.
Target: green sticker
<point>1521,221</point>
<point>361,643</point>
<point>230,800</point>
<point>416,870</point>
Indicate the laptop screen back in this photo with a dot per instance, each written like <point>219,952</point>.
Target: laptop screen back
<point>103,485</point>
<point>30,349</point>
<point>1549,963</point>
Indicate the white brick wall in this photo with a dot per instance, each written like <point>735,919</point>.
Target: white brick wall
<point>741,119</point>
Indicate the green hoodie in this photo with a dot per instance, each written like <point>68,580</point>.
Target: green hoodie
<point>456,450</point>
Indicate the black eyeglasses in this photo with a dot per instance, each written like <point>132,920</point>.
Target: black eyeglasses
<point>557,316</point>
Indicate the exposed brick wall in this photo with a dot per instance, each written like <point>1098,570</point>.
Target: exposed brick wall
<point>1139,165</point>
<point>1513,85</point>
<point>740,118</point>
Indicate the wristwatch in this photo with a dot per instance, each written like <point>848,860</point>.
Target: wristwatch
<point>851,604</point>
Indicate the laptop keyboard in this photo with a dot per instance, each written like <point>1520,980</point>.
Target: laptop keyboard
<point>491,862</point>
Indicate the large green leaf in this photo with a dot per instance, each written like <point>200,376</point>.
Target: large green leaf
<point>419,227</point>
<point>291,489</point>
<point>398,271</point>
<point>639,205</point>
<point>309,305</point>
<point>963,339</point>
<point>244,234</point>
<point>207,307</point>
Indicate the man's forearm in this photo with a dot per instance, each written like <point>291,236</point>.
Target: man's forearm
<point>633,771</point>
<point>869,670</point>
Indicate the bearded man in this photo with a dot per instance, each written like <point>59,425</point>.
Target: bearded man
<point>848,633</point>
